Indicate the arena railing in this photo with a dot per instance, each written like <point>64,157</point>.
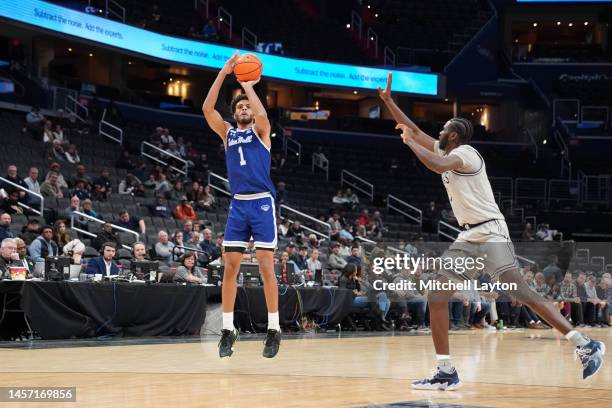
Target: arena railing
<point>115,9</point>
<point>503,185</point>
<point>214,177</point>
<point>389,57</point>
<point>572,109</point>
<point>356,182</point>
<point>202,4</point>
<point>164,153</point>
<point>76,107</point>
<point>104,127</point>
<point>533,189</point>
<point>291,145</point>
<point>225,17</point>
<point>40,197</point>
<point>320,161</point>
<point>356,23</point>
<point>566,164</point>
<point>248,38</point>
<point>402,207</point>
<point>96,220</point>
<point>293,211</point>
<point>596,189</point>
<point>563,190</point>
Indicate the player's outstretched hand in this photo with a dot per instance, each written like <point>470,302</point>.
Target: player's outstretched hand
<point>407,132</point>
<point>250,83</point>
<point>228,68</point>
<point>386,94</point>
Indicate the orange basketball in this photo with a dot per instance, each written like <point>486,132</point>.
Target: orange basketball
<point>248,68</point>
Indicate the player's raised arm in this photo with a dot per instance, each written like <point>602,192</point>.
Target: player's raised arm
<point>435,163</point>
<point>262,124</point>
<point>400,117</point>
<point>213,117</point>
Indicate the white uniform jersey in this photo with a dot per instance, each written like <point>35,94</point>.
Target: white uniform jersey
<point>468,188</point>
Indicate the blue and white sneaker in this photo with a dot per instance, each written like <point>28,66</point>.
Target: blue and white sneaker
<point>591,357</point>
<point>439,381</point>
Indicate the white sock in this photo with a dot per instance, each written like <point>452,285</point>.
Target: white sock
<point>444,363</point>
<point>577,338</point>
<point>228,321</point>
<point>273,321</point>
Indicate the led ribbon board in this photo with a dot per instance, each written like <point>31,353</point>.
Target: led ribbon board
<point>112,33</point>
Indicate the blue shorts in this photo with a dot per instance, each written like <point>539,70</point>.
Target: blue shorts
<point>251,216</point>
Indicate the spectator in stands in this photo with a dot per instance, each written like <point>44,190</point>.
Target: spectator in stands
<point>72,155</point>
<point>178,191</point>
<point>51,188</point>
<point>173,149</point>
<point>188,271</point>
<point>528,233</point>
<point>81,175</point>
<point>603,315</point>
<point>179,244</point>
<point>106,235</point>
<point>156,136</point>
<point>132,223</point>
<point>278,161</point>
<point>545,233</point>
<point>75,205</point>
<point>166,138</point>
<point>187,230</point>
<point>139,252</point>
<point>61,181</point>
<point>12,206</point>
<point>588,308</point>
<point>552,269</point>
<point>5,227</point>
<point>131,185</point>
<point>572,309</point>
<point>313,266</point>
<point>335,261</point>
<point>159,208</point>
<point>208,198</point>
<point>48,133</point>
<point>32,180</point>
<point>80,191</point>
<point>11,175</point>
<point>211,248</point>
<point>43,246</point>
<point>34,122</point>
<point>301,258</point>
<point>56,152</point>
<point>541,287</point>
<point>61,235</point>
<point>352,198</point>
<point>281,195</point>
<point>58,134</point>
<point>283,227</point>
<point>184,211</point>
<point>162,187</point>
<point>365,222</point>
<point>313,242</point>
<point>104,265</point>
<point>591,290</point>
<point>102,186</point>
<point>412,302</point>
<point>24,259</point>
<point>209,31</point>
<point>163,248</point>
<point>355,257</point>
<point>296,231</point>
<point>288,270</point>
<point>88,208</point>
<point>340,199</point>
<point>432,214</point>
<point>30,231</point>
<point>377,228</point>
<point>124,161</point>
<point>8,256</point>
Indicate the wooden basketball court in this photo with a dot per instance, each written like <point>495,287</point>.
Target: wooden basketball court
<point>515,368</point>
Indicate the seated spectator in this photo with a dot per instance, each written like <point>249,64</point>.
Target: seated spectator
<point>163,248</point>
<point>173,149</point>
<point>340,199</point>
<point>75,205</point>
<point>132,223</point>
<point>179,245</point>
<point>209,31</point>
<point>313,241</point>
<point>365,222</point>
<point>56,152</point>
<point>106,235</point>
<point>377,226</point>
<point>187,230</point>
<point>11,204</point>
<point>8,256</point>
<point>188,271</point>
<point>184,211</point>
<point>166,138</point>
<point>32,180</point>
<point>125,162</point>
<point>73,127</point>
<point>413,303</point>
<point>11,175</point>
<point>212,250</point>
<point>58,134</point>
<point>61,181</point>
<point>61,235</point>
<point>81,191</point>
<point>289,271</point>
<point>88,208</point>
<point>528,234</point>
<point>51,188</point>
<point>545,234</point>
<point>313,266</point>
<point>131,185</point>
<point>335,261</point>
<point>102,186</point>
<point>104,265</point>
<point>603,315</point>
<point>34,122</point>
<point>355,257</point>
<point>48,133</point>
<point>352,198</point>
<point>156,136</point>
<point>81,175</point>
<point>162,187</point>
<point>29,232</point>
<point>552,269</point>
<point>43,246</point>
<point>24,259</point>
<point>296,231</point>
<point>160,208</point>
<point>572,306</point>
<point>72,155</point>
<point>301,259</point>
<point>178,192</point>
<point>208,198</point>
<point>283,227</point>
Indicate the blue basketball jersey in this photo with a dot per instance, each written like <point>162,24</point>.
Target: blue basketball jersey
<point>248,163</point>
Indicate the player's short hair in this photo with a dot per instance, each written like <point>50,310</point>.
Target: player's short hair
<point>464,129</point>
<point>236,99</point>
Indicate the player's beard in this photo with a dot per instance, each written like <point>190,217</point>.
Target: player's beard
<point>443,142</point>
<point>244,121</point>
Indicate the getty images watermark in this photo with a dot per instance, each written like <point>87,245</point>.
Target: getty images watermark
<point>459,265</point>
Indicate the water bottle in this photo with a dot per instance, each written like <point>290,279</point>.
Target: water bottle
<point>240,279</point>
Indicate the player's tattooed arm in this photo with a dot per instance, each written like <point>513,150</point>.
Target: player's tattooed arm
<point>400,117</point>
<point>435,163</point>
<point>213,117</point>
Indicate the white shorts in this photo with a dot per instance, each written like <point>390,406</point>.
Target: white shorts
<point>489,245</point>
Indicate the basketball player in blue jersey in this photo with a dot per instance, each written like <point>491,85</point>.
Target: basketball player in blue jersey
<point>251,212</point>
<point>485,234</point>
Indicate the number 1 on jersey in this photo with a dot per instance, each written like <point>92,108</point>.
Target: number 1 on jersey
<point>242,161</point>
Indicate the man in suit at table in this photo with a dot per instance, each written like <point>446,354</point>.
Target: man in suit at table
<point>104,264</point>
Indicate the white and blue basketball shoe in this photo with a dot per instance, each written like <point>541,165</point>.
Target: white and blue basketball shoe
<point>591,357</point>
<point>439,381</point>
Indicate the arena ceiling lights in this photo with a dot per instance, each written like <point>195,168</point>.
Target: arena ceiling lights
<point>183,51</point>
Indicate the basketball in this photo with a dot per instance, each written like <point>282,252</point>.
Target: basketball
<point>248,67</point>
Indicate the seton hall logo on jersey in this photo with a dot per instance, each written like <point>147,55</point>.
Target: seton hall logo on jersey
<point>445,177</point>
<point>265,207</point>
<point>239,140</point>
